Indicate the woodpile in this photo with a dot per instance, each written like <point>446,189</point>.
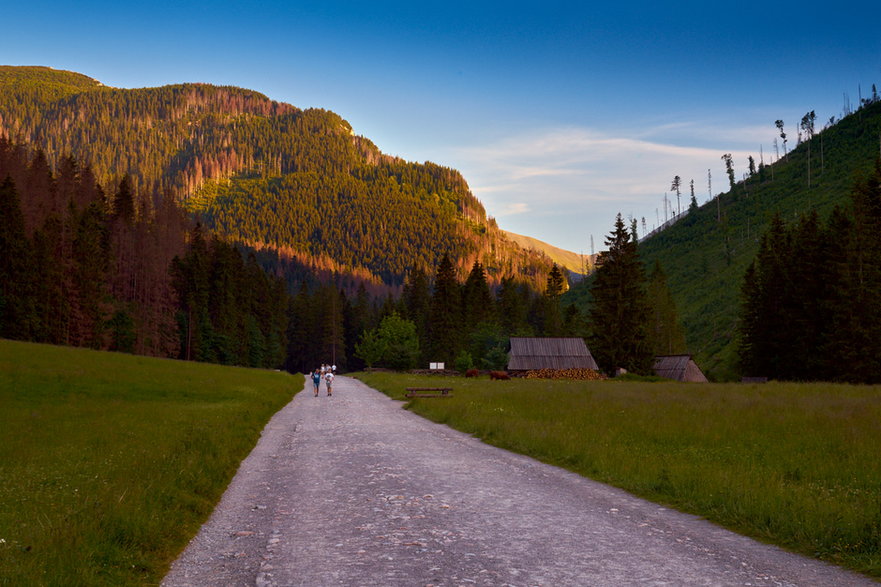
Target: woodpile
<point>575,374</point>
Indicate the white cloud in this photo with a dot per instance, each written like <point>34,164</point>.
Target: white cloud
<point>515,208</point>
<point>572,181</point>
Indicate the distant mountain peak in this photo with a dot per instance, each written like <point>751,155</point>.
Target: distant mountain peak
<point>256,170</point>
<point>33,74</point>
<point>574,262</point>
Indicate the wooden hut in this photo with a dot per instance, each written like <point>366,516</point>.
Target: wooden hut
<point>529,354</point>
<point>680,368</point>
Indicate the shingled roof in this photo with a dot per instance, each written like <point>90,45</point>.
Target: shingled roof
<point>679,367</point>
<point>549,353</point>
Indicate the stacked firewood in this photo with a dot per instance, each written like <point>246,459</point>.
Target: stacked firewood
<point>578,374</point>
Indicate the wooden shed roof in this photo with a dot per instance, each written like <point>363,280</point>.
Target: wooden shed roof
<point>679,367</point>
<point>549,353</point>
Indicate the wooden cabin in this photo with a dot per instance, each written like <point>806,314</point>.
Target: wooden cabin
<point>679,368</point>
<point>532,353</point>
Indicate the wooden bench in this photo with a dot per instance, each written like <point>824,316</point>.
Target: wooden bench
<point>435,392</point>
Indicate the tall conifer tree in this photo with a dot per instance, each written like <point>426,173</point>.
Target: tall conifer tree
<point>417,303</point>
<point>619,312</point>
<point>665,334</point>
<point>552,319</point>
<point>446,312</point>
<point>477,301</point>
<point>15,280</point>
<point>513,307</point>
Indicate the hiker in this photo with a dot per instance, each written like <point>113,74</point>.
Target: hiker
<point>328,381</point>
<point>316,380</point>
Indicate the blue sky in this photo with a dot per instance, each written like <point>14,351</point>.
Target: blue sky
<point>558,114</point>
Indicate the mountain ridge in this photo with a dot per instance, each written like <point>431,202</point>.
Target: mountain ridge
<point>222,150</point>
<point>578,264</point>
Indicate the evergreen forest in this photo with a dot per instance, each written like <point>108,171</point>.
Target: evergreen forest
<point>113,269</point>
<point>296,183</point>
<point>708,250</point>
<point>211,223</point>
<point>811,298</point>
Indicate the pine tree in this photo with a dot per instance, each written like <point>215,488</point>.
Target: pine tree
<point>808,302</point>
<point>729,169</point>
<point>676,186</point>
<point>446,311</point>
<point>665,334</point>
<point>766,317</point>
<point>123,205</point>
<point>692,206</point>
<point>552,315</point>
<point>357,320</point>
<point>477,300</point>
<point>513,301</point>
<point>860,297</point>
<point>417,304</point>
<point>749,343</point>
<point>16,314</point>
<point>331,341</point>
<point>191,278</point>
<point>619,311</point>
<point>91,261</point>
<point>302,333</point>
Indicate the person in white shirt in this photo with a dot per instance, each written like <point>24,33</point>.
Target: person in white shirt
<point>328,381</point>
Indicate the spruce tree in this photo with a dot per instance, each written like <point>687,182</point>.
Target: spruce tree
<point>552,318</point>
<point>477,301</point>
<point>91,259</point>
<point>665,334</point>
<point>513,301</point>
<point>417,303</point>
<point>808,307</point>
<point>15,279</point>
<point>619,311</point>
<point>860,295</point>
<point>357,320</point>
<point>302,332</point>
<point>446,312</point>
<point>770,347</point>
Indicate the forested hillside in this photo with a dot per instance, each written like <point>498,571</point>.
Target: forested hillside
<point>82,267</point>
<point>264,173</point>
<point>706,254</point>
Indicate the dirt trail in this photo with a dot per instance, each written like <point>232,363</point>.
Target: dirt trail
<point>354,490</point>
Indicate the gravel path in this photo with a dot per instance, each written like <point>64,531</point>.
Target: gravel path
<point>353,490</point>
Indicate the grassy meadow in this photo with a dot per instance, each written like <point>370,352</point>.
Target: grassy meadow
<point>109,463</point>
<point>797,465</point>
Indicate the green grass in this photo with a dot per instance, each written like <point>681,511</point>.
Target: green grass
<point>796,465</point>
<point>705,259</point>
<point>110,462</point>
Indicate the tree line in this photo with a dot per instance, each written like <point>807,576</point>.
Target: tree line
<point>810,298</point>
<point>631,316</point>
<point>263,173</point>
<point>119,271</point>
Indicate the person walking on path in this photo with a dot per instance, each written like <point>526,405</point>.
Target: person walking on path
<point>328,381</point>
<point>316,380</point>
